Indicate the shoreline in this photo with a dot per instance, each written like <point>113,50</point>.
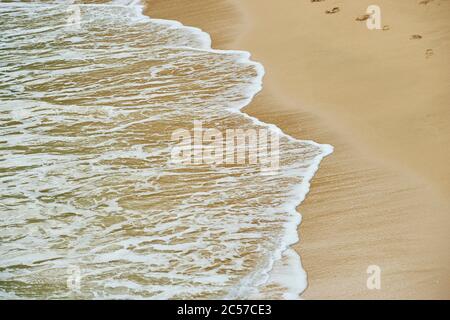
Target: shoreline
<point>272,285</point>
<point>346,224</point>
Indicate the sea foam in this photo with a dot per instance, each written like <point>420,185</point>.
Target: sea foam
<point>86,116</point>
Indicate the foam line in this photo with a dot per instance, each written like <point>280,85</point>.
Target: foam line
<point>301,190</point>
<point>296,195</point>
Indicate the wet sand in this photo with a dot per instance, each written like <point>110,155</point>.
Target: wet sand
<point>381,98</point>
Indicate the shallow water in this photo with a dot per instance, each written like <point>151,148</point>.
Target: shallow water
<point>88,188</point>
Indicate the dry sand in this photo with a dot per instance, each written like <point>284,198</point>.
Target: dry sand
<point>382,99</point>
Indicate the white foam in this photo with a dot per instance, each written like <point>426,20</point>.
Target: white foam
<point>290,275</point>
<point>297,279</point>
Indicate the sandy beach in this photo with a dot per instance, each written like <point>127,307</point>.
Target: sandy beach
<point>381,98</point>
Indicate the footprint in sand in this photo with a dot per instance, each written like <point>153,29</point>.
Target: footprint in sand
<point>415,37</point>
<point>429,53</point>
<point>334,10</point>
<point>363,17</point>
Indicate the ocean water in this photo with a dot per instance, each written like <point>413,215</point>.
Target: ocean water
<point>91,205</point>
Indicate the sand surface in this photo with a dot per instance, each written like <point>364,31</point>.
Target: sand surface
<point>382,99</point>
